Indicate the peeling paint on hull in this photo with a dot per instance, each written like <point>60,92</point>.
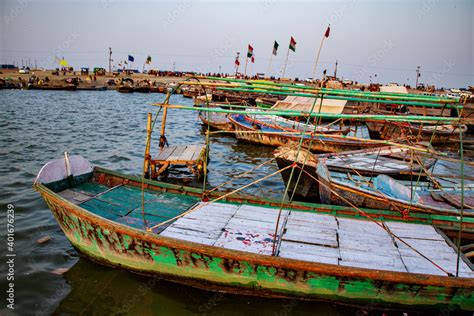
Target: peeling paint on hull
<point>215,268</point>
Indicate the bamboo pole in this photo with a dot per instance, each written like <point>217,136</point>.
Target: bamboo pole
<point>337,97</point>
<point>146,168</point>
<point>363,117</point>
<point>327,90</point>
<point>317,58</point>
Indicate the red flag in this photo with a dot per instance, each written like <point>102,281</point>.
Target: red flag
<point>252,59</point>
<point>292,44</point>
<point>327,31</point>
<point>250,52</point>
<point>237,62</point>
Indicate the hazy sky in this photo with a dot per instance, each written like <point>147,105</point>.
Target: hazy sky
<point>384,38</point>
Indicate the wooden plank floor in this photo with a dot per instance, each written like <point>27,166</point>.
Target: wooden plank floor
<point>185,153</point>
<point>318,238</point>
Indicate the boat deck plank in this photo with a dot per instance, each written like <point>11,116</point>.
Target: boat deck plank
<point>184,155</point>
<point>318,238</point>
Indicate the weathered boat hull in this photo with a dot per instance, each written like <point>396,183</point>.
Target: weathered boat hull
<point>125,89</point>
<point>208,267</point>
<point>69,87</point>
<point>402,131</point>
<point>315,185</point>
<point>215,121</point>
<point>325,143</point>
<point>145,89</point>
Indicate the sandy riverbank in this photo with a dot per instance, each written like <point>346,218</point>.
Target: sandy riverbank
<point>86,79</point>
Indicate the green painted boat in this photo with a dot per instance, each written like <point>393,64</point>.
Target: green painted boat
<point>227,246</point>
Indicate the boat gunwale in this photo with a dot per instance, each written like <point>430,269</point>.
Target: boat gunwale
<point>277,262</point>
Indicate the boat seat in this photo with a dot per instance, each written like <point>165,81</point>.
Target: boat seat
<point>391,187</point>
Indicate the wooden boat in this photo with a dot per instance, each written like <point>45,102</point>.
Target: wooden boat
<point>216,121</point>
<point>435,134</point>
<point>266,102</point>
<point>92,88</point>
<point>67,87</point>
<point>142,89</point>
<point>306,104</point>
<point>190,93</point>
<point>258,132</point>
<point>397,162</point>
<point>383,192</point>
<point>318,257</point>
<point>125,88</point>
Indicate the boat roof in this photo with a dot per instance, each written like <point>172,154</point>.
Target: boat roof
<point>394,89</point>
<point>305,104</point>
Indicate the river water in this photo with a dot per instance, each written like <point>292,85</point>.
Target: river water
<point>108,129</point>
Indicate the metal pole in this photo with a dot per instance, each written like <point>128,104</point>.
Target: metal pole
<point>269,65</point>
<point>237,64</point>
<point>335,71</point>
<point>286,62</point>
<point>245,69</point>
<point>110,60</point>
<point>417,75</point>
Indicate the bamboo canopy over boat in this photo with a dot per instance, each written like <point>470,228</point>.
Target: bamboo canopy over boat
<point>309,91</point>
<point>306,104</point>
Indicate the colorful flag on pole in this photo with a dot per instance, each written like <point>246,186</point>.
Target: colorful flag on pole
<point>292,44</point>
<point>63,62</point>
<point>327,31</point>
<point>252,59</point>
<point>148,60</point>
<point>237,62</point>
<point>275,48</point>
<point>131,58</point>
<point>250,52</point>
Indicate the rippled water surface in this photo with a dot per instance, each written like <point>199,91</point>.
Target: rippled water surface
<point>108,128</point>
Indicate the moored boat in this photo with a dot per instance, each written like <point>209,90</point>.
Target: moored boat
<point>92,88</point>
<point>216,121</point>
<point>435,134</point>
<point>255,131</point>
<point>383,192</point>
<point>318,257</point>
<point>125,88</point>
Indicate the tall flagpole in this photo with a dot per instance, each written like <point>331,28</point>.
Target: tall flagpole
<point>270,65</point>
<point>245,69</point>
<point>286,62</point>
<point>319,52</point>
<point>237,63</point>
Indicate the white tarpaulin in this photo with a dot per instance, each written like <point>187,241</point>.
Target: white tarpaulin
<point>305,104</point>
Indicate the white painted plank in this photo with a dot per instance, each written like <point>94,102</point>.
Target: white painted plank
<point>200,240</point>
<point>309,249</point>
<point>316,240</point>
<point>251,224</point>
<point>179,230</point>
<point>371,266</point>
<point>246,240</point>
<point>308,257</point>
